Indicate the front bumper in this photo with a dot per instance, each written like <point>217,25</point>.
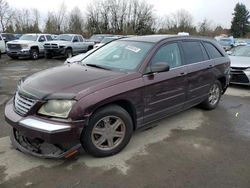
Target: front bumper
<point>18,53</point>
<point>239,76</point>
<point>66,135</point>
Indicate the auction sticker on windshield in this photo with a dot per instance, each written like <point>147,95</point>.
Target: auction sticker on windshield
<point>133,49</point>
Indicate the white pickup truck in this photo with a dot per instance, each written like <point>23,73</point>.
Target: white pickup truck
<point>67,45</point>
<point>29,45</point>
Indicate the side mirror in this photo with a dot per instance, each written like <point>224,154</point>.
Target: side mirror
<point>160,67</point>
<point>229,52</point>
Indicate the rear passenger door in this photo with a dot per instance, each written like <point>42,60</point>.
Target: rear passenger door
<point>199,71</point>
<point>165,92</point>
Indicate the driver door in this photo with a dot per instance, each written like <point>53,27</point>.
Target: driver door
<point>165,92</point>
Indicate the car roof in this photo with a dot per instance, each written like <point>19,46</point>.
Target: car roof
<point>158,38</point>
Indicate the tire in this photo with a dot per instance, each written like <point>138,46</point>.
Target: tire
<point>103,127</point>
<point>68,53</point>
<point>90,48</point>
<point>34,53</point>
<point>214,96</point>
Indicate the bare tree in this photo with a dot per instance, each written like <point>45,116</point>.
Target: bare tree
<point>75,22</point>
<point>205,28</point>
<point>6,14</point>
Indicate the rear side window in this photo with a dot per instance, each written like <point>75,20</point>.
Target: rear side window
<point>212,51</point>
<point>193,52</point>
<point>80,38</point>
<point>49,38</point>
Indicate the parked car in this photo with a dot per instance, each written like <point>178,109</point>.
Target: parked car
<point>227,43</point>
<point>106,40</point>
<point>2,45</point>
<point>119,88</point>
<point>67,45</point>
<point>29,45</point>
<point>8,37</point>
<point>240,65</point>
<point>97,38</point>
<point>79,57</point>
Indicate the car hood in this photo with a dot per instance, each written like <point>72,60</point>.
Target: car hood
<point>240,62</point>
<point>59,42</point>
<point>20,42</point>
<point>67,81</point>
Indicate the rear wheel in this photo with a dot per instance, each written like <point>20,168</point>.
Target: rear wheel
<point>214,96</point>
<point>108,132</point>
<point>34,53</point>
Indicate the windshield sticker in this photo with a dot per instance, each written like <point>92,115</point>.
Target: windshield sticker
<point>133,49</point>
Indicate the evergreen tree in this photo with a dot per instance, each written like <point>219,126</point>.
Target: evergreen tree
<point>240,23</point>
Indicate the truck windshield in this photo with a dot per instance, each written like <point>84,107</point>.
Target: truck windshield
<point>29,37</point>
<point>119,55</point>
<point>64,37</point>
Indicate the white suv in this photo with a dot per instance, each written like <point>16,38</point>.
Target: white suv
<point>29,45</point>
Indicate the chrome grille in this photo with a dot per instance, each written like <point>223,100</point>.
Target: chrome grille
<point>23,104</point>
<point>50,46</point>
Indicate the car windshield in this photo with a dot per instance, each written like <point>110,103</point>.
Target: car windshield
<point>64,37</point>
<point>241,51</point>
<point>107,39</point>
<point>119,55</point>
<point>97,37</point>
<point>29,37</point>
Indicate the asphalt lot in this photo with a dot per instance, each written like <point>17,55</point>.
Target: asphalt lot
<point>195,148</point>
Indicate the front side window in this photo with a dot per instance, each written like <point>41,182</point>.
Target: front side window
<point>41,39</point>
<point>169,54</point>
<point>80,38</point>
<point>119,55</point>
<point>193,52</point>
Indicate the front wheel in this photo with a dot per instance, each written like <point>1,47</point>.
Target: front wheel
<point>34,53</point>
<point>214,96</point>
<point>68,53</point>
<point>108,132</point>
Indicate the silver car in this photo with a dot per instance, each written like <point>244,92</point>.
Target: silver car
<point>240,65</point>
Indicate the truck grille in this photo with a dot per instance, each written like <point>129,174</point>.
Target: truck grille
<point>238,75</point>
<point>23,104</point>
<point>50,46</point>
<point>14,46</point>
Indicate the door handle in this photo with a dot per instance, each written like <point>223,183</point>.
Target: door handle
<point>183,73</point>
<point>210,66</point>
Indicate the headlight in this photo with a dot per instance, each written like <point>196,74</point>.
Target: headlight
<point>24,45</point>
<point>57,108</point>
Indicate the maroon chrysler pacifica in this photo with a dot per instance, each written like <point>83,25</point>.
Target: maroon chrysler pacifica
<point>99,101</point>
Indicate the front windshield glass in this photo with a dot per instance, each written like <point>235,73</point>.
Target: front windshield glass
<point>119,55</point>
<point>64,37</point>
<point>241,51</point>
<point>29,37</point>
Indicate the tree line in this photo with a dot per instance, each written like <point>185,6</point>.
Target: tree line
<point>129,17</point>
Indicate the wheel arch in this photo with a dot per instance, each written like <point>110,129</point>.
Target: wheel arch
<point>123,103</point>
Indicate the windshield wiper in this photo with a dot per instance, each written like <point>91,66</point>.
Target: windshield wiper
<point>97,66</point>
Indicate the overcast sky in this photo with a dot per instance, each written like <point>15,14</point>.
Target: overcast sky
<point>218,11</point>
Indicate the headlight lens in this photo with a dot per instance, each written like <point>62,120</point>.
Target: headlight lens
<point>57,108</point>
<point>24,45</point>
